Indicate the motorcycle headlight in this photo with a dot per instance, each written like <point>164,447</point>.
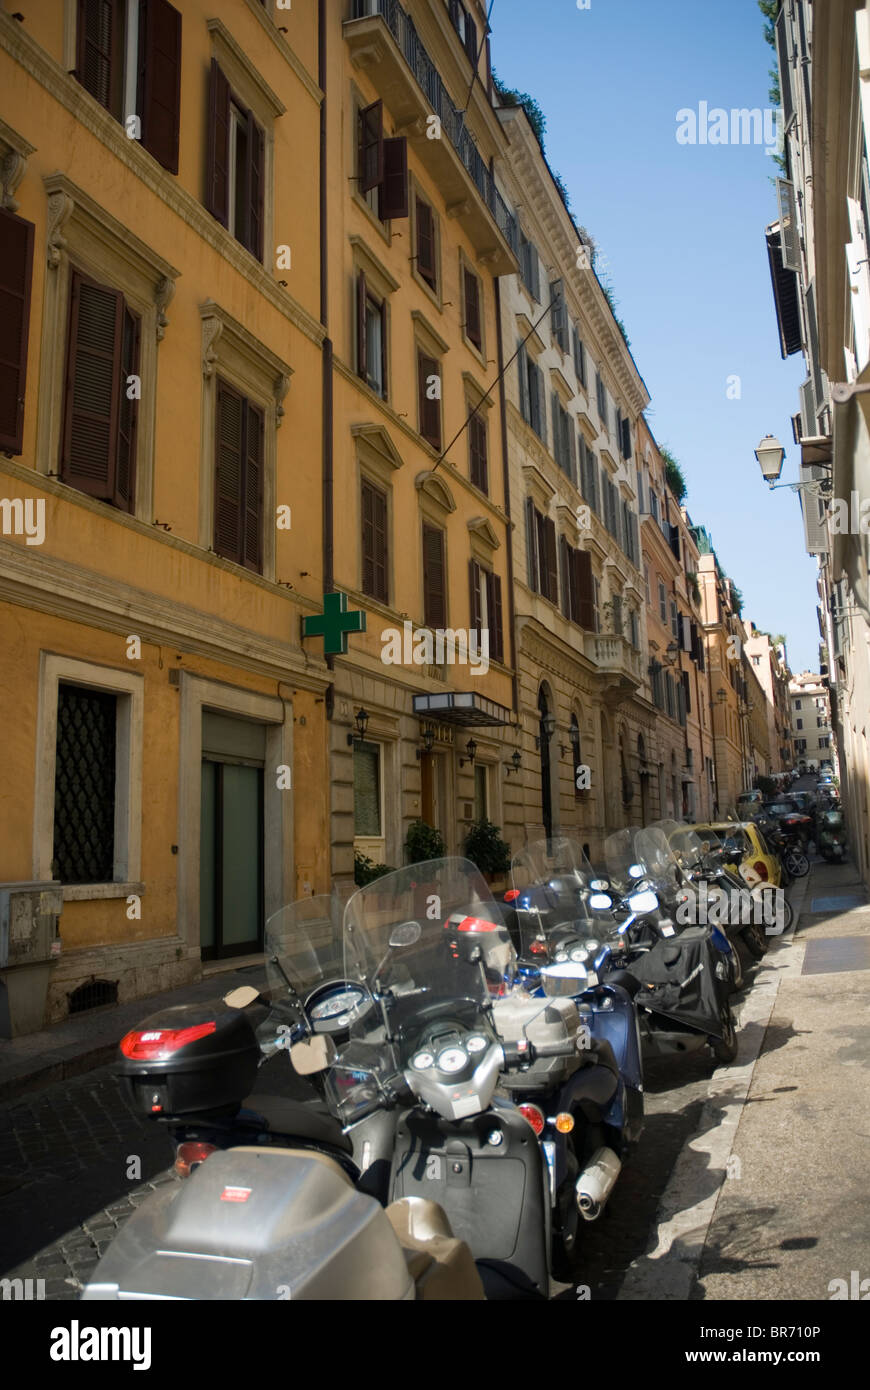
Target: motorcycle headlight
<point>579,954</point>
<point>600,902</point>
<point>643,902</point>
<point>599,885</point>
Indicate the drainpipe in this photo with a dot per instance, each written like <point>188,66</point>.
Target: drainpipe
<point>502,410</point>
<point>327,423</point>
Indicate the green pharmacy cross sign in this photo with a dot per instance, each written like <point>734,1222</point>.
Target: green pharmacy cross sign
<point>333,624</point>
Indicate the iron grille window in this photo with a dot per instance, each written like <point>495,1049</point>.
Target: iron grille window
<point>84,794</point>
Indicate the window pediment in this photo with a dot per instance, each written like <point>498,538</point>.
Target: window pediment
<point>382,282</point>
<point>428,336</point>
<point>242,73</point>
<point>375,445</point>
<point>537,487</point>
<point>435,489</point>
<point>482,531</point>
<point>534,344</point>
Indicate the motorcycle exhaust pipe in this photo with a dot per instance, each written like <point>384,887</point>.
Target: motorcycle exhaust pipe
<point>596,1183</point>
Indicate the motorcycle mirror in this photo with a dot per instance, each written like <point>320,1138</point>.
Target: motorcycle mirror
<point>635,871</point>
<point>240,998</point>
<point>314,1055</point>
<point>570,978</point>
<point>405,934</point>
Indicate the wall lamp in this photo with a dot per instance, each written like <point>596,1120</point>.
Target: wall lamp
<point>771,456</point>
<point>428,737</point>
<point>361,719</point>
<point>471,750</point>
<point>548,724</point>
<point>515,762</point>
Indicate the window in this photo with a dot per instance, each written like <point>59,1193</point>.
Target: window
<point>634,629</point>
<point>465,28</point>
<point>563,438</point>
<point>84,796</point>
<point>486,607</point>
<point>559,314</point>
<point>425,246</point>
<point>371,354</point>
<point>16,268</point>
<point>655,672</point>
<point>675,620</point>
<point>382,165</point>
<point>601,400</point>
<point>235,180</point>
<point>434,577</point>
<point>579,356</point>
<point>825,742</point>
<point>800,723</point>
<point>820,723</point>
<point>541,552</point>
<point>481,791</point>
<point>374,542</point>
<point>429,398</point>
<point>532,393</point>
<point>669,695</point>
<point>654,507</point>
<point>797,704</point>
<point>477,448</point>
<point>530,268</point>
<point>98,447</point>
<point>589,475</point>
<point>128,56</point>
<point>597,602</point>
<point>578,598</point>
<point>238,509</point>
<point>473,326</point>
<point>646,583</point>
<point>367,806</point>
<point>663,603</point>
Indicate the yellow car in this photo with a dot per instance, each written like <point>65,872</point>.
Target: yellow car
<point>745,841</point>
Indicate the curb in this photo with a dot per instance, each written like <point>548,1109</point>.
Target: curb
<point>669,1268</point>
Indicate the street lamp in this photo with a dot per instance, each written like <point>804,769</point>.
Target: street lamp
<point>771,456</point>
<point>361,719</point>
<point>548,725</point>
<point>471,750</point>
<point>721,695</point>
<point>515,762</point>
<point>672,651</point>
<point>428,737</point>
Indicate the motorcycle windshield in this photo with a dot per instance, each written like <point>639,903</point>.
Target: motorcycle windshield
<point>550,881</point>
<point>620,855</point>
<point>304,949</point>
<point>684,841</point>
<point>656,856</point>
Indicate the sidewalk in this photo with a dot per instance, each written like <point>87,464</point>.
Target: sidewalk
<point>769,1200</point>
<point>91,1039</point>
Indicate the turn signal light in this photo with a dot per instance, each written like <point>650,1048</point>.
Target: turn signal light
<point>534,1116</point>
<point>761,869</point>
<point>564,1122</point>
<point>156,1044</point>
<point>190,1155</point>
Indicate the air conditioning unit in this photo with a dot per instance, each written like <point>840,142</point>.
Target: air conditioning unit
<point>29,942</point>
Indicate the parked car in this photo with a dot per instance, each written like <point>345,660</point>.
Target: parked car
<point>745,841</point>
<point>791,817</point>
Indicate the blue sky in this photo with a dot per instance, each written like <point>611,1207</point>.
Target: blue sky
<point>680,230</point>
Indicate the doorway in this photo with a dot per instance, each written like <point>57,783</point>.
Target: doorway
<point>231,837</point>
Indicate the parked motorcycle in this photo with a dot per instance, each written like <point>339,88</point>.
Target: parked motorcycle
<point>831,838</point>
<point>425,955</point>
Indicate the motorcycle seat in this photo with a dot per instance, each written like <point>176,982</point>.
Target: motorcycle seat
<point>309,1119</point>
<point>441,1266</point>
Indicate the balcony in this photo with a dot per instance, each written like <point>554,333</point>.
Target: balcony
<point>616,656</point>
<point>383,41</point>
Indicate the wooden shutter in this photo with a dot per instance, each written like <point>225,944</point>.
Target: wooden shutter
<point>217,182</point>
<point>477,446</point>
<point>16,276</point>
<point>472,307</point>
<point>374,542</point>
<point>570,457</point>
<point>252,500</point>
<point>425,242</point>
<point>434,597</point>
<point>557,318</point>
<point>626,438</point>
<point>229,473</point>
<point>128,412</point>
<point>579,358</point>
<point>90,436</point>
<point>687,692</point>
<point>475,606</point>
<point>532,546</point>
<point>254,189</point>
<point>549,530</point>
<point>565,566</point>
<point>361,348</point>
<point>525,403</point>
<point>494,617</point>
<point>430,410</point>
<point>158,96</point>
<point>394,190</point>
<point>371,146</point>
<point>100,51</point>
<point>585,590</point>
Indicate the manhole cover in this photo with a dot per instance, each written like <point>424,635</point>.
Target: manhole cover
<point>837,953</point>
<point>842,903</point>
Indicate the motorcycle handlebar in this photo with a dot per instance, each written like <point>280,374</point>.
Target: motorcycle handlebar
<point>521,1054</point>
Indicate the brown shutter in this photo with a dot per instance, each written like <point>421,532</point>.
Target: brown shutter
<point>565,566</point>
<point>496,627</point>
<point>430,410</point>
<point>16,275</point>
<point>374,542</point>
<point>434,606</point>
<point>361,356</point>
<point>477,445</point>
<point>100,52</point>
<point>128,413</point>
<point>371,146</point>
<point>532,546</point>
<point>585,590</point>
<point>574,580</point>
<point>256,148</point>
<point>394,189</point>
<point>472,307</point>
<point>474,573</point>
<point>90,436</point>
<point>368,545</point>
<point>252,502</point>
<point>425,242</point>
<point>229,472</point>
<point>158,96</point>
<point>217,182</point>
<point>552,567</point>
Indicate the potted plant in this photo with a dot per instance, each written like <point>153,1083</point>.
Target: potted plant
<point>365,870</point>
<point>485,847</point>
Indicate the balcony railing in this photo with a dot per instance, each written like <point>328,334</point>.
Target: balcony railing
<point>402,28</point>
<point>614,653</point>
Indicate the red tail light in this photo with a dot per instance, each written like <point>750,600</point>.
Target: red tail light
<point>538,948</point>
<point>534,1116</point>
<point>157,1044</point>
<point>511,895</point>
<point>472,924</point>
<point>761,869</point>
<point>190,1155</point>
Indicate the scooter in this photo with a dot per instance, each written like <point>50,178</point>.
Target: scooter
<point>831,840</point>
<point>467,1204</point>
